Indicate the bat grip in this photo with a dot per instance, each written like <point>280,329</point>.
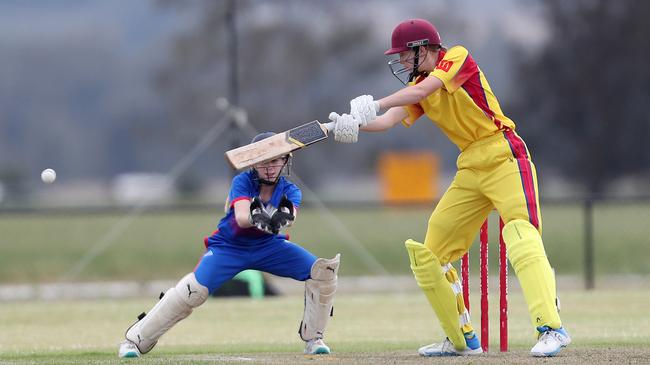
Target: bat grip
<point>329,126</point>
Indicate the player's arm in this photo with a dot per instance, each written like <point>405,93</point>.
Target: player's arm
<point>411,95</point>
<point>347,128</point>
<point>364,109</point>
<point>386,121</point>
<point>242,213</point>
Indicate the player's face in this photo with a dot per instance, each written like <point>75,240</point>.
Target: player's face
<point>407,59</point>
<point>271,169</point>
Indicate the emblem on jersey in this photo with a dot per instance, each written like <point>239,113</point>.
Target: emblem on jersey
<point>445,65</point>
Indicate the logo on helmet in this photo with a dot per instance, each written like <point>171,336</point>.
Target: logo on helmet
<point>421,42</point>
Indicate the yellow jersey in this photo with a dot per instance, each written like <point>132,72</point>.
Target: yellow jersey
<point>464,107</point>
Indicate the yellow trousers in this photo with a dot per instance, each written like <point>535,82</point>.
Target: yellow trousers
<point>495,172</point>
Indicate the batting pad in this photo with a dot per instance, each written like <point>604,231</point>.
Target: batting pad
<point>528,258</point>
<point>429,276</point>
<point>176,304</point>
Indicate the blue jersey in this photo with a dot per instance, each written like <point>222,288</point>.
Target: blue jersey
<point>245,186</point>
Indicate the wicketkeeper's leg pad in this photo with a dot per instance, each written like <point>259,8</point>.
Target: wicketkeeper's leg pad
<point>528,258</point>
<point>319,297</point>
<point>176,304</point>
<point>430,277</point>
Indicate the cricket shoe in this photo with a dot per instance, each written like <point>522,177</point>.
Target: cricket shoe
<point>316,347</point>
<point>550,341</point>
<point>446,348</point>
<point>128,349</point>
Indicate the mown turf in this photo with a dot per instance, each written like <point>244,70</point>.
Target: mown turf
<point>607,326</point>
<point>168,245</point>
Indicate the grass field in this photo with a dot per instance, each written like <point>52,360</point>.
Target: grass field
<point>607,327</point>
<point>172,242</point>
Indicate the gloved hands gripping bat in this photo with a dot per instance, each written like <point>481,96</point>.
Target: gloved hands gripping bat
<point>363,110</point>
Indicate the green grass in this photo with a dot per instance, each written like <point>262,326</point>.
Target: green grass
<point>378,328</point>
<point>168,245</point>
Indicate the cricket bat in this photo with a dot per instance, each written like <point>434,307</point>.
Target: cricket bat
<point>278,145</point>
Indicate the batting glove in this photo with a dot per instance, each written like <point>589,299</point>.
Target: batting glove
<point>259,218</point>
<point>364,109</point>
<point>346,129</point>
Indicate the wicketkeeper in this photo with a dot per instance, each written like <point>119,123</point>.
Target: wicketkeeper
<point>260,205</point>
<point>494,171</point>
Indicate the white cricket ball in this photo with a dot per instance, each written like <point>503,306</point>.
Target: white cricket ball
<point>222,103</point>
<point>48,176</point>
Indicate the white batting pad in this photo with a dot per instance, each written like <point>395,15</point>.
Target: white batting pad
<point>175,305</point>
<point>319,297</point>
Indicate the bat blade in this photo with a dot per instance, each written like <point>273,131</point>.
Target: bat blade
<point>277,145</point>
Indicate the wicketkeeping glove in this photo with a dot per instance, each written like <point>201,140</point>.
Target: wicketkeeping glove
<point>283,217</point>
<point>260,218</point>
<point>364,109</point>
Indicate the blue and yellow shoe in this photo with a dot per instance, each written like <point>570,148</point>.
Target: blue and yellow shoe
<point>472,341</point>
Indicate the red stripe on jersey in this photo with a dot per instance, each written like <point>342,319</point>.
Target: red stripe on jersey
<point>466,71</point>
<point>206,238</point>
<point>441,55</point>
<point>474,88</point>
<point>518,149</point>
<point>238,199</point>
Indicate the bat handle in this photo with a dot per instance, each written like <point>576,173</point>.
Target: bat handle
<point>329,126</point>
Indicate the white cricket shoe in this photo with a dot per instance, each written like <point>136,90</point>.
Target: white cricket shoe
<point>128,349</point>
<point>316,347</point>
<point>550,341</point>
<point>447,348</point>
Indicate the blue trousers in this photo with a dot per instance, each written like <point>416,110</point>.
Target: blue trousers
<point>222,261</point>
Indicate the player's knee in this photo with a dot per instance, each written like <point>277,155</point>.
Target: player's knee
<point>522,219</point>
<point>324,275</point>
<point>325,269</point>
<point>425,265</point>
<point>523,242</point>
<point>419,254</point>
<point>191,291</point>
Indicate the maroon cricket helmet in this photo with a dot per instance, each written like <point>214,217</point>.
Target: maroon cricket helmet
<point>413,33</point>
